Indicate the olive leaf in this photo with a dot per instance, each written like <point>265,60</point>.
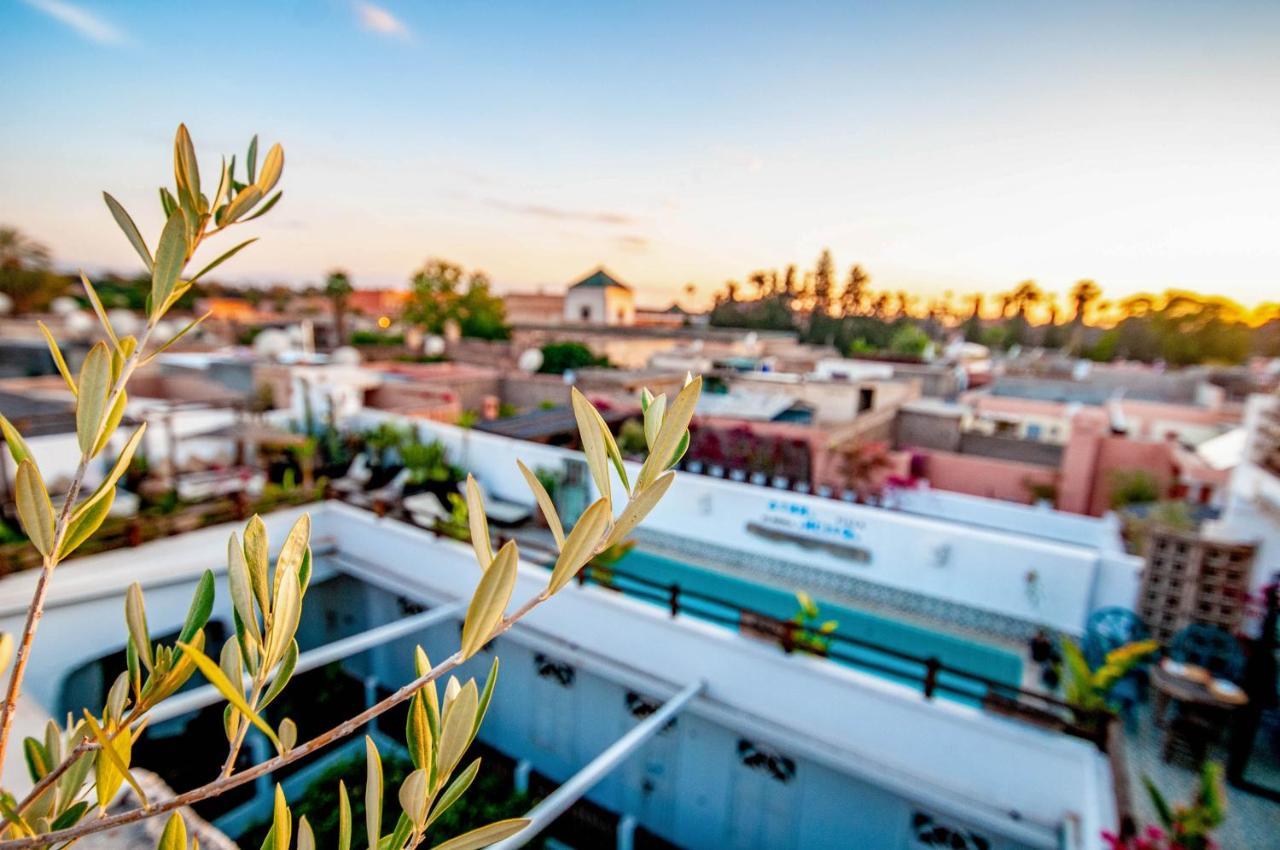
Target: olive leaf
<point>58,359</point>
<point>35,511</point>
<point>372,792</point>
<point>581,545</point>
<point>231,692</point>
<point>485,835</point>
<point>593,444</point>
<point>479,524</point>
<point>490,600</point>
<point>171,256</point>
<point>545,503</point>
<point>130,229</point>
<point>638,508</point>
<point>670,435</point>
<point>95,386</point>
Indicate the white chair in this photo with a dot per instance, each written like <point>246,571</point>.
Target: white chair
<point>425,509</point>
<point>387,493</point>
<point>356,477</point>
<point>498,509</point>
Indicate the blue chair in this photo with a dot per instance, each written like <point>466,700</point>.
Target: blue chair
<point>1108,629</point>
<point>1211,647</point>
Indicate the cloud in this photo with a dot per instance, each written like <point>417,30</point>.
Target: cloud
<point>379,20</point>
<point>84,22</point>
<point>562,214</point>
<point>633,242</point>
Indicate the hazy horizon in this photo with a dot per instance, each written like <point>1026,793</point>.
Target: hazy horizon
<point>943,148</point>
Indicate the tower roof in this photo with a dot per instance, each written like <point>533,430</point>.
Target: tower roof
<point>600,279</point>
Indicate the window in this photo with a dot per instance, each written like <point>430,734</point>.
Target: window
<point>585,313</point>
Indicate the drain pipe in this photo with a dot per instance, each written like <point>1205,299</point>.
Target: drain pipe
<point>542,815</point>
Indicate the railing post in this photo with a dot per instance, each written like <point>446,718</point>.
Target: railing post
<point>675,599</point>
<point>931,676</point>
<point>582,574</point>
<point>788,637</point>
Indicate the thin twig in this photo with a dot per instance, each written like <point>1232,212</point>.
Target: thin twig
<point>36,610</point>
<point>224,784</point>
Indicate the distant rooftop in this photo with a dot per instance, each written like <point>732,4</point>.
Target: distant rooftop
<point>600,279</point>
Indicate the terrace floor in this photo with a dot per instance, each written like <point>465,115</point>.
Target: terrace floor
<point>1253,822</point>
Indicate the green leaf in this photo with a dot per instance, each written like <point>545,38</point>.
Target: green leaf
<point>222,259</point>
<point>544,502</point>
<point>201,607</point>
<point>485,835</point>
<point>190,326</point>
<point>95,386</point>
<point>240,586</point>
<point>109,483</point>
<point>171,256</point>
<point>17,446</point>
<point>306,838</point>
<point>281,822</point>
<point>286,611</point>
<point>372,792</point>
<point>35,511</point>
<point>109,425</point>
<point>344,817</point>
<point>130,230</point>
<point>283,675</point>
<point>71,816</point>
<point>653,419</point>
<point>135,616</point>
<point>272,166</point>
<point>592,442</point>
<point>611,448</point>
<point>185,169</point>
<point>244,201</point>
<point>417,733</point>
<point>251,159</point>
<point>174,836</point>
<point>413,797</point>
<point>265,208</point>
<point>581,544</point>
<point>422,666</point>
<point>459,721</point>
<point>229,691</point>
<point>486,696</point>
<point>113,770</point>
<point>455,790</point>
<point>256,551</point>
<point>99,310</point>
<point>294,549</point>
<point>638,508</point>
<point>37,759</point>
<point>58,359</point>
<point>167,202</point>
<point>674,426</point>
<point>82,525</point>
<point>490,600</point>
<point>479,524</point>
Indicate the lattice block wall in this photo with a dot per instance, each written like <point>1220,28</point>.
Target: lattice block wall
<point>1187,580</point>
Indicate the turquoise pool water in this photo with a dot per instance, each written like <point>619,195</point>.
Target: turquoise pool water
<point>986,660</point>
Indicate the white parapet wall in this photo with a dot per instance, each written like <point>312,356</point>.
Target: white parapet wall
<point>986,566</point>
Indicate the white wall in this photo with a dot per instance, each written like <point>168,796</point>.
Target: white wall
<point>955,561</point>
<point>862,725</point>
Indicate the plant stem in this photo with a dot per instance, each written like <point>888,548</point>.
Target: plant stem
<point>226,783</point>
<point>230,764</point>
<point>36,611</point>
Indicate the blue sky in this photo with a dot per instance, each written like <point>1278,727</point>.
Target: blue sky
<point>945,146</point>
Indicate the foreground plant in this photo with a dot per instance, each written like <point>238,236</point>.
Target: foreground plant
<point>89,760</point>
<point>1182,827</point>
<point>1089,690</point>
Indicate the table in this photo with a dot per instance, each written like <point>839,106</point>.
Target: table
<point>1202,713</point>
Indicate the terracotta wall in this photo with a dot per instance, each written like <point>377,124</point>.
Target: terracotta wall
<point>983,476</point>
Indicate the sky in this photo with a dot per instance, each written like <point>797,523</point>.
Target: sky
<point>944,146</point>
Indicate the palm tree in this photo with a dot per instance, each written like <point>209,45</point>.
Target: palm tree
<point>1027,294</point>
<point>337,286</point>
<point>23,266</point>
<point>1083,294</point>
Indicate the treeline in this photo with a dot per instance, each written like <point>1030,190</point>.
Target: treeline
<point>848,313</point>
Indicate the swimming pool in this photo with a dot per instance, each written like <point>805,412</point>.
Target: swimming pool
<point>879,639</point>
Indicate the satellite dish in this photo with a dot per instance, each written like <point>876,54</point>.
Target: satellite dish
<point>63,306</point>
<point>433,345</point>
<point>345,356</point>
<point>271,343</point>
<point>123,321</point>
<point>530,360</point>
<point>78,324</point>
